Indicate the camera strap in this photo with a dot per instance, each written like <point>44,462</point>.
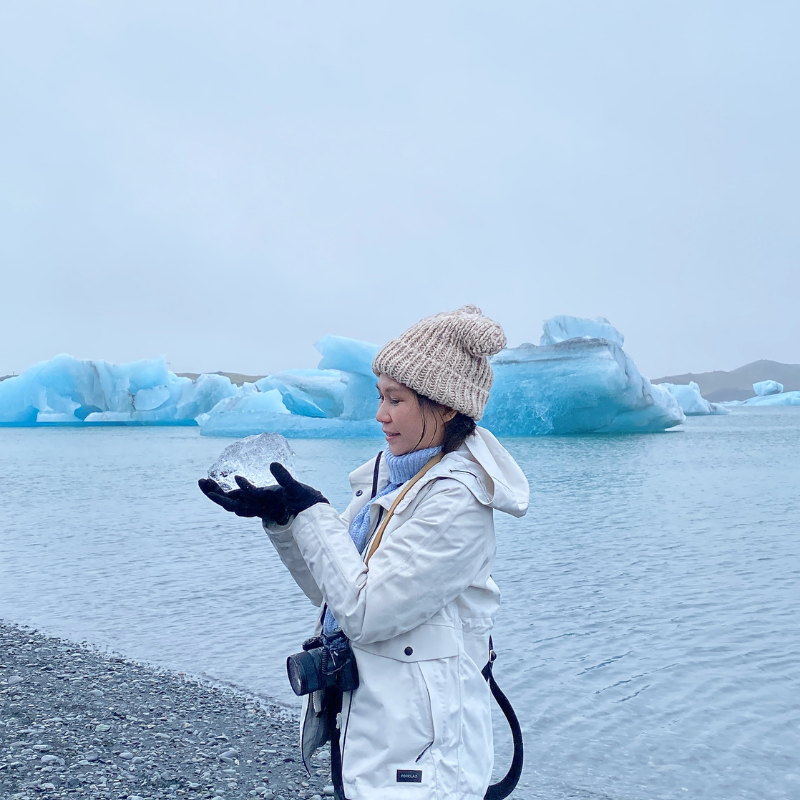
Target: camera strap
<point>375,473</point>
<point>333,706</point>
<point>376,539</point>
<point>504,787</point>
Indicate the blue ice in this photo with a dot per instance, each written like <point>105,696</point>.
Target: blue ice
<point>577,380</point>
<point>777,399</point>
<point>562,328</point>
<point>769,393</point>
<point>67,390</point>
<point>337,400</point>
<point>765,388</point>
<point>692,403</point>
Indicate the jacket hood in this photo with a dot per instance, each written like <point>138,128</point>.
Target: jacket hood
<point>501,483</point>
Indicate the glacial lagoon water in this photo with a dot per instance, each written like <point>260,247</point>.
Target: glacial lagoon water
<point>649,635</point>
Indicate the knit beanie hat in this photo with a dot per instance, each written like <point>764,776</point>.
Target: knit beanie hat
<point>445,358</point>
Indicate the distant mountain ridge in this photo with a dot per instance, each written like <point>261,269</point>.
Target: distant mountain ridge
<point>737,384</point>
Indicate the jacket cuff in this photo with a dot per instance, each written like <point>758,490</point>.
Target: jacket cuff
<point>273,529</point>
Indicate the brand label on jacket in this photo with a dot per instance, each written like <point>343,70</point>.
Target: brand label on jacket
<point>409,776</point>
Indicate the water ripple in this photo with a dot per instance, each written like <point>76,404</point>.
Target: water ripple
<point>648,635</point>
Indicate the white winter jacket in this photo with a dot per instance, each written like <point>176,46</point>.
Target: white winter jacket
<point>418,618</point>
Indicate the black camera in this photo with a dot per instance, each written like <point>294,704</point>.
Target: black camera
<point>325,661</point>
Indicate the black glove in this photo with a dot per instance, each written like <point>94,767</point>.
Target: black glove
<point>272,503</point>
<point>248,500</point>
<point>297,496</point>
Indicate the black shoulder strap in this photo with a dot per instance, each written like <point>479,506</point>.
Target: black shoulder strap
<point>333,705</point>
<point>375,474</point>
<point>504,787</point>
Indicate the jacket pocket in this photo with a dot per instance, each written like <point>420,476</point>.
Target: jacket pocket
<point>426,710</point>
<point>389,726</point>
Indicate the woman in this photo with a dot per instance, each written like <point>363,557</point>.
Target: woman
<point>409,583</point>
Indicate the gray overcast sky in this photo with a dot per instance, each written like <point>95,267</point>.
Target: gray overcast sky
<point>225,182</point>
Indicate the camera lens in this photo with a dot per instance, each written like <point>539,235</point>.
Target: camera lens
<point>305,674</point>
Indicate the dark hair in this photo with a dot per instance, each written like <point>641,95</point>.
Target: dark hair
<point>456,430</point>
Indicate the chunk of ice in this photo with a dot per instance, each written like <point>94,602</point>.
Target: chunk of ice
<point>251,458</point>
<point>765,388</point>
<point>691,401</point>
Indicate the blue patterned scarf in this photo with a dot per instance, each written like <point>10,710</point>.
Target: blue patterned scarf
<point>401,469</point>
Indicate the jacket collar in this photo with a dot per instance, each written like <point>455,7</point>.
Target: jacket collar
<point>484,466</point>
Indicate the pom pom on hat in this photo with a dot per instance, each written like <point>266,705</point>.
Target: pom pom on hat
<point>445,358</point>
<point>483,336</point>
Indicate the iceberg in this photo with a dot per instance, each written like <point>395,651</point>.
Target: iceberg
<point>337,400</point>
<point>769,393</point>
<point>66,390</point>
<point>577,380</point>
<point>692,403</point>
<point>766,388</point>
<point>780,399</point>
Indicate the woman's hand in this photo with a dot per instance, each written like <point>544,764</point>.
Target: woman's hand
<point>272,503</point>
<point>297,496</point>
<point>248,500</point>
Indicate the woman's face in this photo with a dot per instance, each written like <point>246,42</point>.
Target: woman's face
<point>407,424</point>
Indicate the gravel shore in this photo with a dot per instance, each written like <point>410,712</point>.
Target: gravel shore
<point>78,722</point>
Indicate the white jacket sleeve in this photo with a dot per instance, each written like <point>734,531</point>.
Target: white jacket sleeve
<point>421,565</point>
<point>283,541</point>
